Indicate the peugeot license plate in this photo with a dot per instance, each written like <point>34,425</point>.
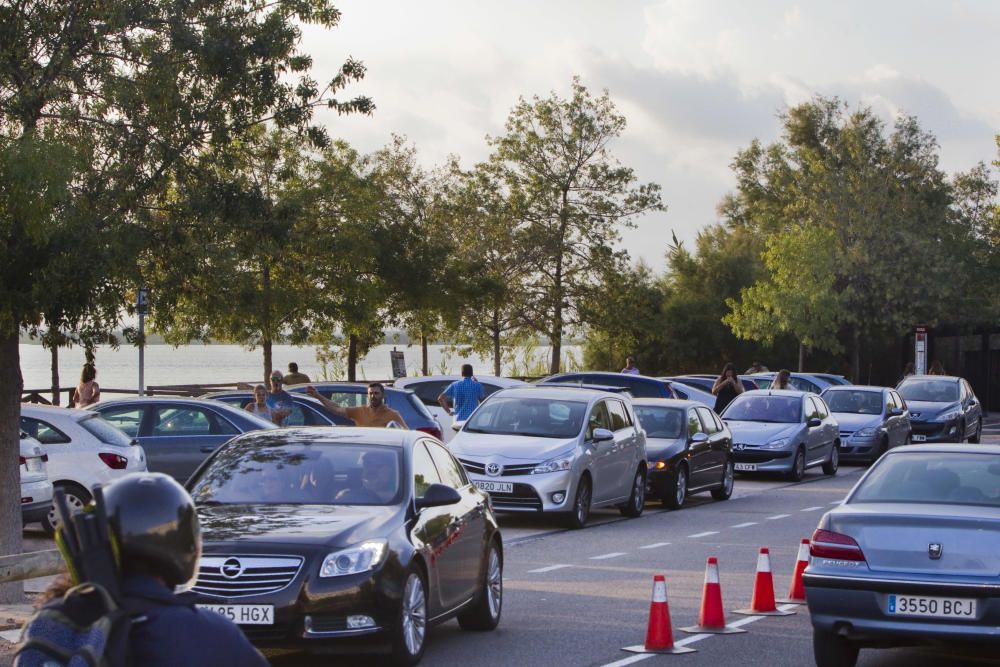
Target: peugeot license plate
<point>920,605</point>
<point>918,438</point>
<point>495,487</point>
<point>244,614</point>
<point>746,467</point>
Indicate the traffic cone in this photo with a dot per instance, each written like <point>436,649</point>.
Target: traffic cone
<point>659,635</point>
<point>762,603</point>
<point>797,591</point>
<point>711,618</point>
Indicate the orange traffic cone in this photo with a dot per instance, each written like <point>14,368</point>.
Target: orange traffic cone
<point>711,618</point>
<point>659,635</point>
<point>797,591</point>
<point>762,603</point>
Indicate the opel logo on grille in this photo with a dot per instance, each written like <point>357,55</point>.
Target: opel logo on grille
<point>232,568</point>
<point>934,550</point>
<point>493,469</point>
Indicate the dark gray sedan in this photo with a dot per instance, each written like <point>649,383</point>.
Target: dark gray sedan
<point>872,420</point>
<point>178,433</point>
<point>943,408</point>
<point>912,556</point>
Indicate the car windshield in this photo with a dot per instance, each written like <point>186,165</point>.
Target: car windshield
<point>935,391</point>
<point>961,478</point>
<point>293,473</point>
<point>661,422</point>
<point>854,402</point>
<point>764,408</point>
<point>540,417</point>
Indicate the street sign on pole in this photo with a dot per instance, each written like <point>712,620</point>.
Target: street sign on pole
<point>920,351</point>
<point>398,364</point>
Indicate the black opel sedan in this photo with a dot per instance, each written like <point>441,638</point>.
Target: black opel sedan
<point>347,539</point>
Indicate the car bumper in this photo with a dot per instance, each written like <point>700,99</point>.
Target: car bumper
<point>853,448</point>
<point>856,607</point>
<point>38,507</point>
<point>936,431</point>
<point>764,460</point>
<point>532,493</point>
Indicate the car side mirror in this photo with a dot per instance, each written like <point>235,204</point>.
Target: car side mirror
<point>438,495</point>
<point>699,437</point>
<point>895,412</point>
<point>603,435</point>
<point>814,422</point>
<point>457,426</point>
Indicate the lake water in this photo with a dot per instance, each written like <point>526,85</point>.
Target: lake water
<point>206,364</point>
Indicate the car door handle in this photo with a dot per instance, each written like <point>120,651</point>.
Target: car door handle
<point>208,449</point>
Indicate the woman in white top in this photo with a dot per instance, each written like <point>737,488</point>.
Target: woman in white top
<point>259,406</point>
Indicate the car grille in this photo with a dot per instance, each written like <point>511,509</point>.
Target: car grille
<point>928,429</point>
<point>846,434</point>
<point>241,576</point>
<point>523,497</point>
<point>759,455</point>
<point>508,471</point>
<point>264,633</point>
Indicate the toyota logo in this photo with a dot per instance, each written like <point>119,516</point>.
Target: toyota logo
<point>232,568</point>
<point>493,469</point>
<point>934,550</point>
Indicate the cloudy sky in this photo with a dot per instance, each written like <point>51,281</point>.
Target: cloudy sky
<point>696,79</point>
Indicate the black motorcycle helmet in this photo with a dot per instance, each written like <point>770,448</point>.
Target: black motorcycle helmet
<point>155,523</point>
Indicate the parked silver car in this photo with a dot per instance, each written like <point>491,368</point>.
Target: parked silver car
<point>872,420</point>
<point>784,431</point>
<point>911,556</point>
<point>556,449</point>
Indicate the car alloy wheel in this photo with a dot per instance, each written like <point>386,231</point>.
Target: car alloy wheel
<point>409,646</point>
<point>581,505</point>
<point>637,500</point>
<point>726,490</point>
<point>484,614</point>
<point>798,470</point>
<point>831,466</point>
<point>76,498</point>
<point>975,439</point>
<point>676,495</point>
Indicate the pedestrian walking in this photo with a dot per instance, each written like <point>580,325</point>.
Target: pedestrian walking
<point>293,376</point>
<point>258,406</point>
<point>376,413</point>
<point>88,391</point>
<point>279,400</point>
<point>630,366</point>
<point>465,395</point>
<point>781,381</point>
<point>727,387</point>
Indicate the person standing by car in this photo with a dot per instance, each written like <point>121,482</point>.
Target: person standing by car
<point>376,413</point>
<point>781,379</point>
<point>936,368</point>
<point>278,400</point>
<point>465,394</point>
<point>293,376</point>
<point>258,406</point>
<point>908,370</point>
<point>756,367</point>
<point>88,391</point>
<point>726,387</point>
<point>630,366</point>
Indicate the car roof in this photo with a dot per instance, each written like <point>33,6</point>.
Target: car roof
<point>909,378</point>
<point>249,393</point>
<point>610,374</point>
<point>666,403</point>
<point>946,447</point>
<point>54,411</point>
<point>557,391</point>
<point>390,437</point>
<point>775,392</point>
<point>496,379</point>
<point>343,386</point>
<point>856,387</point>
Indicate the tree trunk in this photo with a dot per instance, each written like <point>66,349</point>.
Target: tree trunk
<point>856,355</point>
<point>352,358</point>
<point>802,357</point>
<point>424,366</point>
<point>495,334</point>
<point>11,385</point>
<point>267,345</point>
<point>54,352</point>
<point>265,329</point>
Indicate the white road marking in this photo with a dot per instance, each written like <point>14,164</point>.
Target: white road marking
<point>778,516</point>
<point>744,525</point>
<point>705,534</point>
<point>614,554</point>
<point>550,568</point>
<point>690,640</point>
<point>654,546</point>
<point>811,509</point>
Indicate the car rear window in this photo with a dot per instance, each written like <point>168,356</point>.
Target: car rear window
<point>958,478</point>
<point>104,431</point>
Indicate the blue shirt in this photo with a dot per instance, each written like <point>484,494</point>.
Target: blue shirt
<point>174,633</point>
<point>466,394</point>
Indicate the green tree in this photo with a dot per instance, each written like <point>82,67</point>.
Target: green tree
<point>98,101</point>
<point>847,208</point>
<point>576,198</point>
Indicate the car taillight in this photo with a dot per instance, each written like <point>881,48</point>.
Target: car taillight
<point>21,461</point>
<point>433,430</point>
<point>828,544</point>
<point>114,461</point>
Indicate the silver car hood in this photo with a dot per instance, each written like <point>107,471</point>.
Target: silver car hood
<point>761,433</point>
<point>477,446</point>
<point>897,537</point>
<point>852,421</point>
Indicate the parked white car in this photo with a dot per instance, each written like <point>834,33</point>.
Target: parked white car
<point>84,451</point>
<point>36,489</point>
<point>429,387</point>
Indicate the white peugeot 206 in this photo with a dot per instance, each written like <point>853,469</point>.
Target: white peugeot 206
<point>556,449</point>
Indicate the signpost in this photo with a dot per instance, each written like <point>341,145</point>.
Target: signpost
<point>142,308</point>
<point>398,364</point>
<point>920,351</point>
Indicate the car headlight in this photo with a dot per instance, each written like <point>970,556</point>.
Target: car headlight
<point>775,444</point>
<point>949,416</point>
<point>553,465</point>
<point>355,560</point>
<point>866,433</point>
